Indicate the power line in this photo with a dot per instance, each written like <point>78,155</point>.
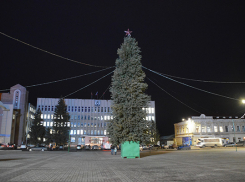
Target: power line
<point>208,81</point>
<point>89,84</point>
<point>173,96</point>
<point>190,86</point>
<point>63,79</point>
<point>50,52</point>
<point>105,91</point>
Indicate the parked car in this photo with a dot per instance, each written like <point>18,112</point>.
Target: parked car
<point>172,146</point>
<point>95,147</point>
<point>10,146</point>
<point>184,147</point>
<point>240,144</point>
<point>61,147</point>
<point>3,146</point>
<point>38,148</point>
<point>155,147</point>
<point>79,147</point>
<point>87,147</point>
<point>24,147</point>
<point>230,144</point>
<point>145,147</point>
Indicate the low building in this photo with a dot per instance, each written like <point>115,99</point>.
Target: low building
<point>13,115</point>
<point>230,129</point>
<point>88,118</point>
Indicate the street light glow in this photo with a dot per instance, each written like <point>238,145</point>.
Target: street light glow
<point>243,101</point>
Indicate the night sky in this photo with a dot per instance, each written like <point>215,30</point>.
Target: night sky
<point>200,40</point>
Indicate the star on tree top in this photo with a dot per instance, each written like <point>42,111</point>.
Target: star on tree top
<point>128,33</point>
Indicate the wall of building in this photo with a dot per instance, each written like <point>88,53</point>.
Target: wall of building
<point>6,113</point>
<point>88,117</point>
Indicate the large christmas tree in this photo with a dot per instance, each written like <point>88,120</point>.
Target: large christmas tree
<point>128,96</point>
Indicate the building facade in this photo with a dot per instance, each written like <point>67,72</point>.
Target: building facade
<point>13,115</point>
<point>88,118</point>
<point>230,129</point>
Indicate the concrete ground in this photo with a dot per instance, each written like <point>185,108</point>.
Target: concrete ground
<point>209,164</point>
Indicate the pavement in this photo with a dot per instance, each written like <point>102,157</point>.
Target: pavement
<point>209,164</point>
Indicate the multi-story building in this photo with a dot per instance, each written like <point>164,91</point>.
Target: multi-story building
<point>30,117</point>
<point>230,129</point>
<point>13,112</point>
<point>88,118</point>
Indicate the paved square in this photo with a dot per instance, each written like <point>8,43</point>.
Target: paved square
<point>218,164</point>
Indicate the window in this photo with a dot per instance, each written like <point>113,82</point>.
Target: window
<point>208,129</point>
<point>78,108</point>
<point>85,125</point>
<point>68,124</point>
<point>203,129</point>
<point>75,132</point>
<point>82,109</point>
<point>104,117</point>
<point>71,124</point>
<point>72,116</point>
<point>78,117</point>
<point>197,129</point>
<point>84,132</point>
<point>243,129</point>
<point>85,109</point>
<point>92,118</point>
<point>71,108</point>
<point>104,132</point>
<point>92,109</point>
<point>95,109</point>
<point>75,108</point>
<point>85,117</point>
<point>98,132</point>
<point>81,124</point>
<point>101,118</point>
<point>81,132</point>
<point>92,132</point>
<point>226,128</point>
<point>75,124</point>
<point>215,129</point>
<point>45,108</point>
<point>51,123</point>
<point>71,132</point>
<point>152,110</point>
<point>88,109</point>
<point>104,124</point>
<point>78,124</point>
<point>105,109</point>
<point>92,124</point>
<point>101,109</point>
<point>88,117</point>
<point>44,123</point>
<point>152,118</point>
<point>48,116</point>
<point>108,110</point>
<point>98,109</point>
<point>52,108</point>
<point>48,108</point>
<point>42,107</point>
<point>88,124</point>
<point>237,128</point>
<point>220,129</point>
<point>78,132</point>
<point>73,139</point>
<point>75,117</point>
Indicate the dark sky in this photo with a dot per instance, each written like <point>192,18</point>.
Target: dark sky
<point>201,40</point>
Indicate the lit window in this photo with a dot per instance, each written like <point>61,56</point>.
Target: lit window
<point>81,132</point>
<point>92,132</point>
<point>48,116</point>
<point>75,132</point>
<point>152,110</point>
<point>78,124</point>
<point>203,129</point>
<point>147,118</point>
<point>98,132</point>
<point>73,139</point>
<point>78,132</point>
<point>208,129</point>
<point>92,124</point>
<point>44,123</point>
<point>41,116</point>
<point>71,132</point>
<point>84,132</point>
<point>68,124</point>
<point>75,124</point>
<point>215,129</point>
<point>111,117</point>
<point>153,118</point>
<point>220,129</point>
<point>71,124</point>
<point>47,123</point>
<point>85,124</point>
<point>104,132</point>
<point>88,124</point>
<point>51,123</point>
<point>104,117</point>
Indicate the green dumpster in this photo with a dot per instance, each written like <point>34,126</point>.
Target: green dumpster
<point>130,150</point>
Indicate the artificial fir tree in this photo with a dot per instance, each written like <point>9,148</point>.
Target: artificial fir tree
<point>61,125</point>
<point>128,96</point>
<point>37,129</point>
